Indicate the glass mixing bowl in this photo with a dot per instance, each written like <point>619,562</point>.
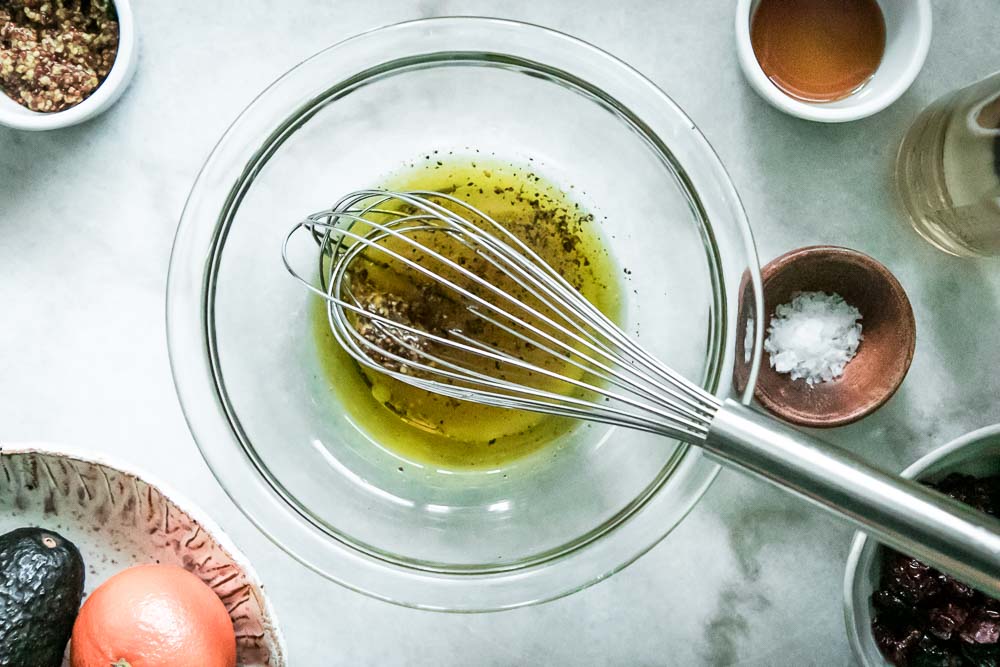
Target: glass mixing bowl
<point>244,353</point>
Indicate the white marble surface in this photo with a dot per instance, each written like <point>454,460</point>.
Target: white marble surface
<point>87,216</point>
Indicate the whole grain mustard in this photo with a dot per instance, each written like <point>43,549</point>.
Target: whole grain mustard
<point>55,53</point>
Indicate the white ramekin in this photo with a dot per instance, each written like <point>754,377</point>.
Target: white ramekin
<point>14,115</point>
<point>976,453</point>
<point>907,39</point>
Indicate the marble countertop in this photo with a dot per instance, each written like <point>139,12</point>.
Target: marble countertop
<point>752,577</point>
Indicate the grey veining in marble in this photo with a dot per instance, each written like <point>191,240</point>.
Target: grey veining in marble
<point>752,577</point>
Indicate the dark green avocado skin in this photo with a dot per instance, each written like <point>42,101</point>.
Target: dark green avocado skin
<point>40,591</point>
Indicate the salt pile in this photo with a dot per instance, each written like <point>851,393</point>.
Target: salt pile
<point>813,337</point>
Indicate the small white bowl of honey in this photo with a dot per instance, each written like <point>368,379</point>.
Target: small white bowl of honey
<point>832,62</point>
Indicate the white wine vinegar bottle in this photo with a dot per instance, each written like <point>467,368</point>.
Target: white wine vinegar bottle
<point>948,171</point>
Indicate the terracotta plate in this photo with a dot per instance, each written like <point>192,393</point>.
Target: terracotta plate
<point>118,519</point>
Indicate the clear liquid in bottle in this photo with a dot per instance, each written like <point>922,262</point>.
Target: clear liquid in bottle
<point>948,171</point>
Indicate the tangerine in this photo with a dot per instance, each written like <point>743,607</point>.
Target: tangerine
<point>153,616</point>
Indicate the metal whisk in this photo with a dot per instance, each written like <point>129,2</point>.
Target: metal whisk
<point>582,365</point>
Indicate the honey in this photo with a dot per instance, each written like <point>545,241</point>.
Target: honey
<point>434,430</point>
<point>818,50</point>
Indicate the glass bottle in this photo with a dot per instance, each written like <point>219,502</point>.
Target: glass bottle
<point>948,171</point>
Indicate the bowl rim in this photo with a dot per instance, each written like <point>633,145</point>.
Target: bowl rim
<point>877,270</point>
<point>204,521</point>
<point>210,421</point>
<point>820,112</point>
<point>862,547</point>
<point>122,71</point>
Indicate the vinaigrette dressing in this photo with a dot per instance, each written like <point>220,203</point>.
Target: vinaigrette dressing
<point>434,430</point>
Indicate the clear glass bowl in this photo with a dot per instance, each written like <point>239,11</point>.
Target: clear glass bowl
<point>244,354</point>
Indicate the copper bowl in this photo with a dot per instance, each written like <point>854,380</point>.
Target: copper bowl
<point>885,353</point>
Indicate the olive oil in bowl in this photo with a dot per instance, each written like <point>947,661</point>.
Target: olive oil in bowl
<point>439,431</point>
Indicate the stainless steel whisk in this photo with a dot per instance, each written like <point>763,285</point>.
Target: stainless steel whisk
<point>613,379</point>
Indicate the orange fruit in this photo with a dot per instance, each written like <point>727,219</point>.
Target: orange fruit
<point>153,616</point>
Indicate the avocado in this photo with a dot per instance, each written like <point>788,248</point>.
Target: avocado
<point>41,584</point>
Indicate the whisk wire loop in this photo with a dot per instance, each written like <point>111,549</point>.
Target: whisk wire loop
<point>618,381</point>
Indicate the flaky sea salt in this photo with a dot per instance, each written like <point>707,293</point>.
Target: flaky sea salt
<point>813,337</point>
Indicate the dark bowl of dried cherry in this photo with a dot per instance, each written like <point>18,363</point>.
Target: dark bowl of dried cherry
<point>901,612</point>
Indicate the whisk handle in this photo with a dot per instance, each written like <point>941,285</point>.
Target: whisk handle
<point>903,514</point>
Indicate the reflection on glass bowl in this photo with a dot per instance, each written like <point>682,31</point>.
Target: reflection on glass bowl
<point>243,351</point>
